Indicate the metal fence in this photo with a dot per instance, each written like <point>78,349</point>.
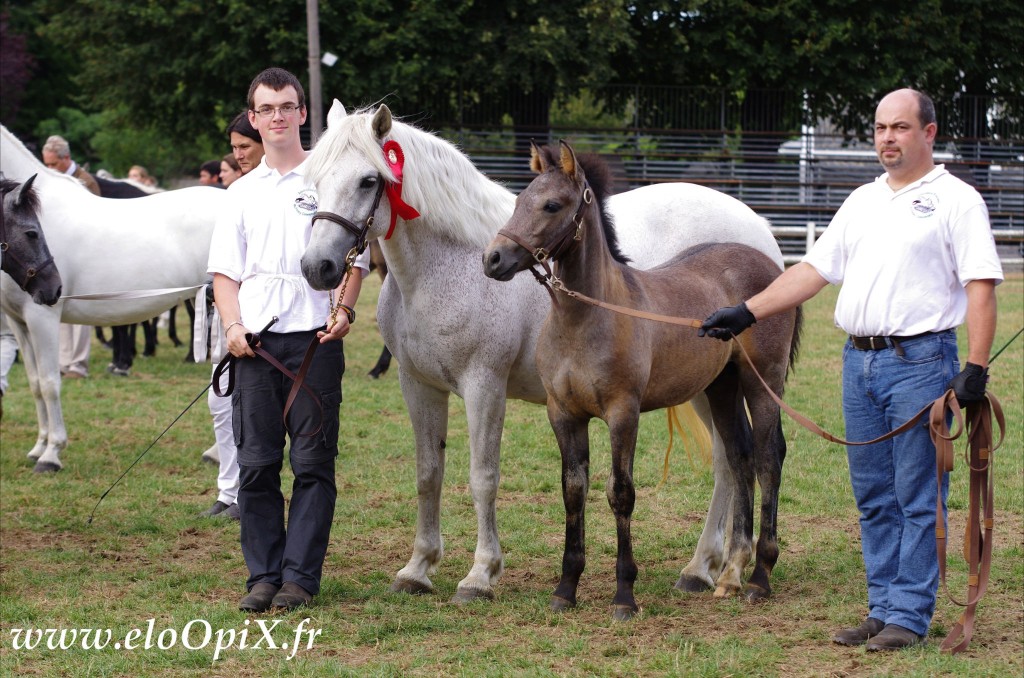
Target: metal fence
<point>762,148</point>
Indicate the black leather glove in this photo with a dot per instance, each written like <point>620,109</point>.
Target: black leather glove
<point>969,385</point>
<point>725,322</point>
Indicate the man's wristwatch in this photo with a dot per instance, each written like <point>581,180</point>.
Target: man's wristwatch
<point>349,311</point>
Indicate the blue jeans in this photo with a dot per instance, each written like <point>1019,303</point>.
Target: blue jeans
<point>894,481</point>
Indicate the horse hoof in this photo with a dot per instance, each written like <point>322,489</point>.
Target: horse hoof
<point>468,595</point>
<point>559,604</point>
<point>691,584</point>
<point>409,586</point>
<point>726,591</point>
<point>624,613</point>
<point>756,594</point>
<point>46,467</point>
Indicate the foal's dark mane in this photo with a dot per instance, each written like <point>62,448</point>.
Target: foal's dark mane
<point>31,197</point>
<point>599,177</point>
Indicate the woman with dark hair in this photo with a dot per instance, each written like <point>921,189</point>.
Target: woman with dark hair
<point>246,142</point>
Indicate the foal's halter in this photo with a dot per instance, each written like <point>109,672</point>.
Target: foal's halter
<point>558,245</point>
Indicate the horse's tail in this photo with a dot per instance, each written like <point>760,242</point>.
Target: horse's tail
<point>692,428</point>
<point>794,345</point>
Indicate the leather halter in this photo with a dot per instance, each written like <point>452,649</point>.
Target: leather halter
<point>560,243</point>
<point>358,231</point>
<point>558,246</point>
<point>30,271</point>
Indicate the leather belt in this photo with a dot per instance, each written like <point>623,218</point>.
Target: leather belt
<point>879,343</point>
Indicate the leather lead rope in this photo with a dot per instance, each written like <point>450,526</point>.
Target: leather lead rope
<point>298,379</point>
<point>978,536</point>
<point>980,512</point>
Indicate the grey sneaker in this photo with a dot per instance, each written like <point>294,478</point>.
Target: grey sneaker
<point>217,508</point>
<point>230,513</point>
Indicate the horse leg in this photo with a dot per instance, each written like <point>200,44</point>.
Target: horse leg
<point>485,412</point>
<point>100,338</point>
<point>37,335</point>
<point>708,558</point>
<point>428,411</point>
<point>172,323</point>
<point>383,363</point>
<point>149,337</point>
<point>120,338</point>
<point>727,409</point>
<point>574,445</point>
<point>622,497</point>
<point>190,309</point>
<point>29,357</point>
<point>769,454</point>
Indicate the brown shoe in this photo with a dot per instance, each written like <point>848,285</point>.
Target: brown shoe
<point>291,596</point>
<point>259,599</point>
<point>894,637</point>
<point>859,635</point>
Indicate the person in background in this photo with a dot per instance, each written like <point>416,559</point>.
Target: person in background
<point>74,339</point>
<point>246,142</point>
<point>223,451</point>
<point>915,255</point>
<point>209,174</point>
<point>141,175</point>
<point>254,259</point>
<point>57,156</point>
<point>229,170</point>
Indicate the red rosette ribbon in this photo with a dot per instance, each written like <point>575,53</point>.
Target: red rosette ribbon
<point>395,160</point>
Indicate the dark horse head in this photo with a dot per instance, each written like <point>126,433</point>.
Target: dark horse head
<point>25,255</point>
<point>549,213</point>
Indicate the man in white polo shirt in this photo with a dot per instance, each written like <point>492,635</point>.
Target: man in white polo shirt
<point>254,258</point>
<point>916,258</point>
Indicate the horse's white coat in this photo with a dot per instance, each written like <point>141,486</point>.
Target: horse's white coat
<point>453,330</point>
<point>100,246</point>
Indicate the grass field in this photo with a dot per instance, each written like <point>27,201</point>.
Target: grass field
<point>147,568</point>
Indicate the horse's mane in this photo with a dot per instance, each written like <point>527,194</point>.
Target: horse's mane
<point>30,198</point>
<point>13,143</point>
<point>601,182</point>
<point>444,186</point>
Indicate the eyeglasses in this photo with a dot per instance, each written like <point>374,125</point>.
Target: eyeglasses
<point>284,109</point>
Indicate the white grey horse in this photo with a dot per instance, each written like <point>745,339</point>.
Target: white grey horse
<point>101,246</point>
<point>453,330</point>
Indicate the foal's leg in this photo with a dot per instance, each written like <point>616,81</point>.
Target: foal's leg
<point>622,497</point>
<point>574,444</point>
<point>708,558</point>
<point>727,408</point>
<point>428,411</point>
<point>769,453</point>
<point>485,411</point>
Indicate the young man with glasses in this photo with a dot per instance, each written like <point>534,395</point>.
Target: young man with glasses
<point>254,260</point>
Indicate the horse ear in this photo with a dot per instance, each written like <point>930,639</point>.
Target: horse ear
<point>24,191</point>
<point>382,122</point>
<point>336,114</point>
<point>569,164</point>
<point>537,162</point>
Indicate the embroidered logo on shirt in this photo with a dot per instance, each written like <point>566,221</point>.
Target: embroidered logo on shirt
<point>924,205</point>
<point>306,203</point>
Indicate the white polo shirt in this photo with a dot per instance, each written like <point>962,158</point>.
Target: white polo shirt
<point>903,257</point>
<point>258,241</point>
